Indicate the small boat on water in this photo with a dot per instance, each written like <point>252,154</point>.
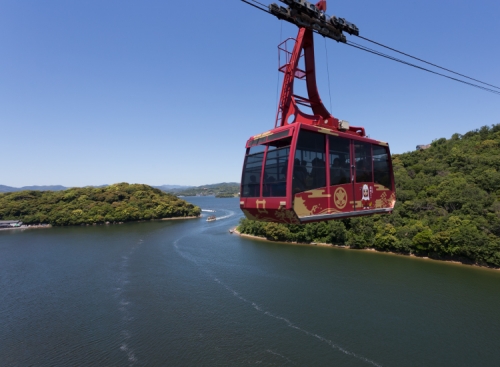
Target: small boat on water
<point>211,218</point>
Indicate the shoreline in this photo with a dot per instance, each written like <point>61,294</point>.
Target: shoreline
<point>235,230</point>
<point>37,226</point>
<point>173,218</point>
<point>29,226</point>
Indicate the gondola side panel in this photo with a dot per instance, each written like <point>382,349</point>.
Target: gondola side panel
<point>268,210</point>
<point>370,196</point>
<point>312,202</point>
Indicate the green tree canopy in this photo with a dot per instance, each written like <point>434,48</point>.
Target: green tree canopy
<point>115,203</point>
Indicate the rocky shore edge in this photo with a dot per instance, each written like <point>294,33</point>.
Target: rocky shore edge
<point>454,262</point>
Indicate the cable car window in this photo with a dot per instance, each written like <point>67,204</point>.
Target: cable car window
<point>251,174</point>
<point>258,141</point>
<point>275,170</point>
<point>363,160</point>
<point>256,149</point>
<point>339,160</point>
<point>268,138</point>
<point>309,168</point>
<point>381,168</point>
<point>279,144</point>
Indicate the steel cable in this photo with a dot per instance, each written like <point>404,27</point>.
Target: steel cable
<point>429,63</point>
<point>378,53</point>
<point>263,7</point>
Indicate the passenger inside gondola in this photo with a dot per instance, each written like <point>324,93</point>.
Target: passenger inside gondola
<point>364,170</point>
<point>338,175</point>
<point>311,174</point>
<point>299,176</point>
<point>318,172</point>
<point>276,169</point>
<point>364,162</point>
<point>339,160</point>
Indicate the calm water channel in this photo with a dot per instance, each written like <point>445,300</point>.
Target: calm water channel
<point>187,293</point>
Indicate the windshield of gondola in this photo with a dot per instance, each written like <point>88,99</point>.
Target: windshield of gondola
<point>382,174</point>
<point>275,167</point>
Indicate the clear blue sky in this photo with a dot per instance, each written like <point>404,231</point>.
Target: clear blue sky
<point>163,92</point>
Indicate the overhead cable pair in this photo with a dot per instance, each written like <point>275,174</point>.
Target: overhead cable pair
<point>307,15</point>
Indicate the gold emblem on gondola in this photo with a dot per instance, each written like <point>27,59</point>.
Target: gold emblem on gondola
<point>340,198</point>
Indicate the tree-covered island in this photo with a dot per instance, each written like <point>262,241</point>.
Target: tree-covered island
<point>226,195</point>
<point>220,190</point>
<point>76,206</point>
<point>448,206</point>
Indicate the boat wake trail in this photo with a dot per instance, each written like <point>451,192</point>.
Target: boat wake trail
<point>293,326</point>
<point>289,323</point>
<point>123,305</point>
<point>280,355</point>
<point>231,213</point>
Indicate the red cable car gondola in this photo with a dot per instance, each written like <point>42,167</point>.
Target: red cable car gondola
<point>313,167</point>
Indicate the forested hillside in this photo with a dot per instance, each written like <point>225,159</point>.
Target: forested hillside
<point>448,206</point>
<point>115,203</point>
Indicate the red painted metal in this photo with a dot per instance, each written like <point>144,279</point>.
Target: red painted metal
<point>321,5</point>
<point>288,111</point>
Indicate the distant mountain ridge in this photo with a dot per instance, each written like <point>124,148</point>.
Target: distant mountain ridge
<point>4,188</point>
<point>172,188</point>
<point>225,189</point>
<point>166,188</point>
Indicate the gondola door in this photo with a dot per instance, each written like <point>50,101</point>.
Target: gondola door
<point>362,168</point>
<point>341,185</point>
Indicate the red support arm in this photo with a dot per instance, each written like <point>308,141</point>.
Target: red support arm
<point>288,111</point>
<point>321,5</point>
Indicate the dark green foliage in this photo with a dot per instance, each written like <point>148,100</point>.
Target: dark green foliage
<point>448,206</point>
<point>116,203</point>
<point>325,232</point>
<point>225,195</point>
